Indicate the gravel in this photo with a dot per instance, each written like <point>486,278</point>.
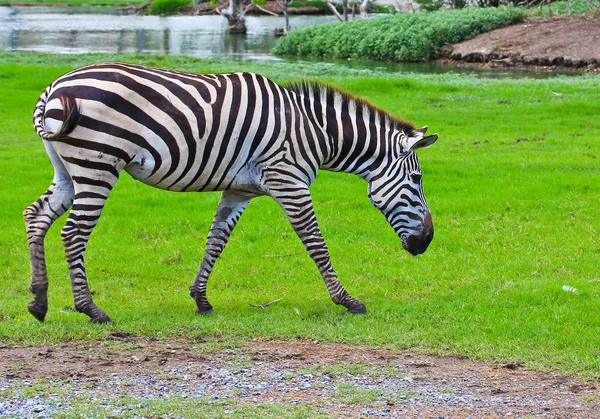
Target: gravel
<point>338,380</point>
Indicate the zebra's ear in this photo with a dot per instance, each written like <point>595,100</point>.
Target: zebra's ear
<point>424,142</point>
<point>414,143</point>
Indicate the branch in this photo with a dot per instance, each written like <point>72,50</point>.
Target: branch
<point>265,10</point>
<point>265,305</point>
<point>334,10</point>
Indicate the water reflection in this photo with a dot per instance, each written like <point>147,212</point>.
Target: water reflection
<point>59,30</point>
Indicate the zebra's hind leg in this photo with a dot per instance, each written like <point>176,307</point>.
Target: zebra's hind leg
<point>84,216</point>
<point>39,216</point>
<point>93,182</point>
<point>297,204</point>
<point>230,208</point>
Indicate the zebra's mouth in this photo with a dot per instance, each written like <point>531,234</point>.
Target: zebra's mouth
<point>415,245</point>
<point>412,250</point>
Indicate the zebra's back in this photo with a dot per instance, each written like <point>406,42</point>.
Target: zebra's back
<point>172,130</point>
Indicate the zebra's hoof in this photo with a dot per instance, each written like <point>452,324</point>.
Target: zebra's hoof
<point>38,310</point>
<point>100,318</point>
<point>356,307</point>
<point>205,312</point>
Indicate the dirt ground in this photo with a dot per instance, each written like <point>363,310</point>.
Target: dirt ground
<point>333,377</point>
<point>562,42</point>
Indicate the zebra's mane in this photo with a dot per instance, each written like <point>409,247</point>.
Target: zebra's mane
<point>305,87</point>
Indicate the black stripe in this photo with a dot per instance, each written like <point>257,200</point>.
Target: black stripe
<point>94,165</point>
<point>89,195</point>
<point>87,181</point>
<point>332,128</point>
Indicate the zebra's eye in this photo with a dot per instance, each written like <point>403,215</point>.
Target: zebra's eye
<point>416,177</point>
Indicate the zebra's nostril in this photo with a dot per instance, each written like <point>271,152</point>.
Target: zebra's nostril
<point>429,236</point>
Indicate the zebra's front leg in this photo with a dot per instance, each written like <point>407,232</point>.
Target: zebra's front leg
<point>230,208</point>
<point>297,204</point>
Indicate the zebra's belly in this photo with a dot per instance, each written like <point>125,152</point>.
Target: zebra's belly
<point>144,168</point>
<point>141,169</point>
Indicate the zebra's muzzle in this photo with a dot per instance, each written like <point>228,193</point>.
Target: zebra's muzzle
<point>417,243</point>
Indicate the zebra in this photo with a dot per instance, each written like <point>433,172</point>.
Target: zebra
<point>239,133</point>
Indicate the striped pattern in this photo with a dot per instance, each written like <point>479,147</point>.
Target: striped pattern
<point>239,133</point>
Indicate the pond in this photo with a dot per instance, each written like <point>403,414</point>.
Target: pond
<point>74,30</point>
<point>101,29</point>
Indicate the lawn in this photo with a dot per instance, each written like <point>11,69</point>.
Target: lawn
<point>120,3</point>
<point>513,184</point>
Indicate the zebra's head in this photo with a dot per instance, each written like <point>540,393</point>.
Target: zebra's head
<point>396,190</point>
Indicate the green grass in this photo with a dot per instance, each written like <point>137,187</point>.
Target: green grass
<point>398,37</point>
<point>75,2</point>
<point>513,185</point>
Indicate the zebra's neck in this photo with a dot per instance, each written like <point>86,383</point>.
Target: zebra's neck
<point>359,135</point>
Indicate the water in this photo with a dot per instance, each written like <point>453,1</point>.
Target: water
<point>80,30</point>
<point>75,30</point>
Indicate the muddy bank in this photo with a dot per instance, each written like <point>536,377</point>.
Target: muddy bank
<point>571,42</point>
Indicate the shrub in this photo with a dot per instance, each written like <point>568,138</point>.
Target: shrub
<point>167,7</point>
<point>399,37</point>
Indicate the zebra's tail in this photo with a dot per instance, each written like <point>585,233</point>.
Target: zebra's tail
<point>70,116</point>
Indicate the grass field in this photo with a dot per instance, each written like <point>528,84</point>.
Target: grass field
<point>513,185</point>
<point>121,3</point>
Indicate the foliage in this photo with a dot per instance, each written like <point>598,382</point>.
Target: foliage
<point>399,37</point>
<point>167,7</point>
<point>563,8</point>
<point>513,185</point>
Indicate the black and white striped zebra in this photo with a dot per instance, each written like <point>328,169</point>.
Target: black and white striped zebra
<point>239,133</point>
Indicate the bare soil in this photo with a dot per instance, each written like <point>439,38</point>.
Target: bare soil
<point>560,42</point>
<point>403,383</point>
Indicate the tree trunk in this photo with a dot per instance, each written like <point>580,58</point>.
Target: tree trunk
<point>365,8</point>
<point>287,17</point>
<point>283,4</point>
<point>236,24</point>
<point>235,16</point>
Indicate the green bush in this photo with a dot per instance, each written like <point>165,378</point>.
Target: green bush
<point>398,37</point>
<point>167,7</point>
<point>320,4</point>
